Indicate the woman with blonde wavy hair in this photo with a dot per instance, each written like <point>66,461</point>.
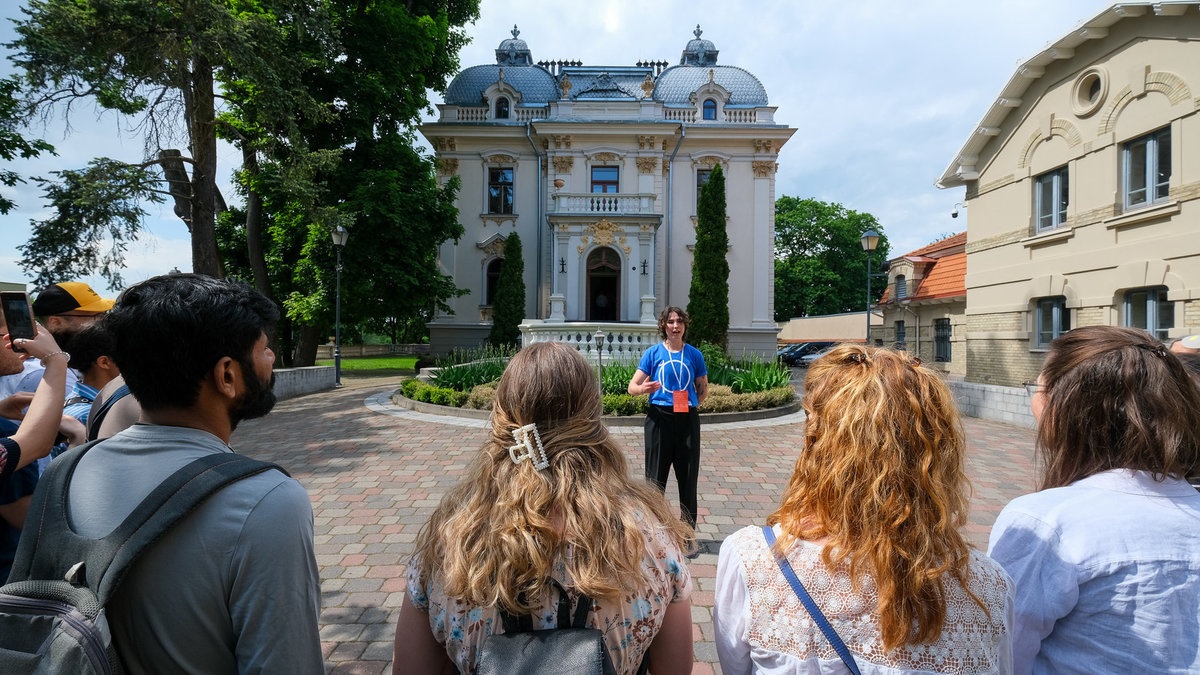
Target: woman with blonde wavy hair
<point>869,523</point>
<point>548,503</point>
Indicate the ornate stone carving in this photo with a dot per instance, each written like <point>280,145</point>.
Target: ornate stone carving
<point>502,159</point>
<point>764,169</point>
<point>493,249</point>
<point>710,161</point>
<point>604,157</point>
<point>764,146</point>
<point>563,227</point>
<point>646,143</point>
<point>606,232</point>
<point>562,141</point>
<point>565,85</point>
<point>447,166</point>
<point>444,144</point>
<point>647,86</point>
<point>647,164</point>
<point>563,163</point>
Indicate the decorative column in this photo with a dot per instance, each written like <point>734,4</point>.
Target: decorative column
<point>764,175</point>
<point>558,268</point>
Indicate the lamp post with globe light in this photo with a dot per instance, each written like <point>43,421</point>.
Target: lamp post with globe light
<point>870,239</point>
<point>339,235</point>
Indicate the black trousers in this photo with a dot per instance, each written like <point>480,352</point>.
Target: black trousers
<point>673,440</point>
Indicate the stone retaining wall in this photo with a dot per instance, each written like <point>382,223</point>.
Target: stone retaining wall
<point>293,382</point>
<point>991,402</point>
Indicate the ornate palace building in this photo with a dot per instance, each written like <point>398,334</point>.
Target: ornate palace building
<point>598,169</point>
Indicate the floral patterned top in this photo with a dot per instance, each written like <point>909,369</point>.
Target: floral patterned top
<point>629,623</point>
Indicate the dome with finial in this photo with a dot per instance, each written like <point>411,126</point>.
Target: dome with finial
<point>699,52</point>
<point>513,51</point>
<point>514,62</point>
<point>698,67</point>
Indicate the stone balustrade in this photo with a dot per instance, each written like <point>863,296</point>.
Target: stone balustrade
<point>623,342</point>
<point>602,204</point>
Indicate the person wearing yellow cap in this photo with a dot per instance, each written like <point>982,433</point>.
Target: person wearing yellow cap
<point>1187,345</point>
<point>64,308</point>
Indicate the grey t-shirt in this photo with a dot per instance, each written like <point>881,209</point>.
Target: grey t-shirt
<point>233,588</point>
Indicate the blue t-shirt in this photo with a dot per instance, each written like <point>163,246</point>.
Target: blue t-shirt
<point>675,370</point>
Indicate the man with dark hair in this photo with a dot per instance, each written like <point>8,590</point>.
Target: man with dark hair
<point>234,586</point>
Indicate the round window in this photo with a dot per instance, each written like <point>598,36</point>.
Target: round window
<point>1090,89</point>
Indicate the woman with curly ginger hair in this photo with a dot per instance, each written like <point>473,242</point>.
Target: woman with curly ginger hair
<point>1107,554</point>
<point>548,502</point>
<point>870,523</point>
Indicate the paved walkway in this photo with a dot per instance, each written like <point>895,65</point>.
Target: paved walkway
<point>376,472</point>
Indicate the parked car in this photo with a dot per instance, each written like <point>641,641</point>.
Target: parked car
<point>806,360</point>
<point>792,358</point>
<point>787,349</point>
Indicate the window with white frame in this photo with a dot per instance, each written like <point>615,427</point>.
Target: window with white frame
<point>941,340</point>
<point>1052,195</point>
<point>492,281</point>
<point>1053,319</point>
<point>1148,309</point>
<point>1147,169</point>
<point>702,176</point>
<point>500,189</point>
<point>710,109</point>
<point>605,179</point>
<point>900,336</point>
<point>502,108</point>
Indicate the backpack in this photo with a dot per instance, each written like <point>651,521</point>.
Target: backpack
<point>570,649</point>
<point>96,419</point>
<point>52,617</point>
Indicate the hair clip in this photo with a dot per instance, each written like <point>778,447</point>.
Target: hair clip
<point>1158,350</point>
<point>916,361</point>
<point>522,435</point>
<point>857,357</point>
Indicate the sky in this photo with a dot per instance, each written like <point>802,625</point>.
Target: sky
<point>883,94</point>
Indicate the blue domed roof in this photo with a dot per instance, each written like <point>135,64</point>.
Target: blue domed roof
<point>537,86</point>
<point>699,52</point>
<point>676,84</point>
<point>513,51</point>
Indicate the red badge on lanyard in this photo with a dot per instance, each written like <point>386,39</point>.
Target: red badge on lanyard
<point>681,400</point>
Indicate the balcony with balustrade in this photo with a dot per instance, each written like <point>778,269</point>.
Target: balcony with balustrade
<point>596,204</point>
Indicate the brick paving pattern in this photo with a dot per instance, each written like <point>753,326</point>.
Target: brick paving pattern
<point>375,472</point>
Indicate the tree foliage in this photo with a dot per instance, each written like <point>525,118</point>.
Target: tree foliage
<point>12,143</point>
<point>156,62</point>
<point>708,297</point>
<point>820,265</point>
<point>508,306</point>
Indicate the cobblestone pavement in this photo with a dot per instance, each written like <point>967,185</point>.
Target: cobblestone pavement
<point>375,472</point>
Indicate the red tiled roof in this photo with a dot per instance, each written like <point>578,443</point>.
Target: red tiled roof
<point>945,276</point>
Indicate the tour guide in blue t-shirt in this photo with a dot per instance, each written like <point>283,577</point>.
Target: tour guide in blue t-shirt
<point>674,375</point>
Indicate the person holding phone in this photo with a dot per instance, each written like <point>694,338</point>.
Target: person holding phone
<point>39,426</point>
<point>674,375</point>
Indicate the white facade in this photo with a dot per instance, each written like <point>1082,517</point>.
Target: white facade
<point>597,170</point>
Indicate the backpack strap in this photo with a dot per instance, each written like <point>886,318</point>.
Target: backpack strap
<point>106,560</point>
<point>523,624</point>
<point>94,421</point>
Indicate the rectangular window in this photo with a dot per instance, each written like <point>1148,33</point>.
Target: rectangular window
<point>1147,169</point>
<point>900,335</point>
<point>1148,309</point>
<point>941,340</point>
<point>1053,319</point>
<point>901,287</point>
<point>500,190</point>
<point>702,176</point>
<point>1052,198</point>
<point>605,179</point>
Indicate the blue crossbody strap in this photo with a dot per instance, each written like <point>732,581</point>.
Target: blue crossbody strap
<point>813,610</point>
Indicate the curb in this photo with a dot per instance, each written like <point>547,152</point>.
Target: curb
<point>611,420</point>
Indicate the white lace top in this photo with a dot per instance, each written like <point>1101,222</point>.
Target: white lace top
<point>762,627</point>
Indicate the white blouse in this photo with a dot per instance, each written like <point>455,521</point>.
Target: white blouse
<point>762,627</point>
<point>1108,575</point>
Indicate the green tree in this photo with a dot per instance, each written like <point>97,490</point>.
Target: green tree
<point>12,143</point>
<point>820,265</point>
<point>157,63</point>
<point>708,297</point>
<point>508,306</point>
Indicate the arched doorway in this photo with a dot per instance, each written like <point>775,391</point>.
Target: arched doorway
<point>603,285</point>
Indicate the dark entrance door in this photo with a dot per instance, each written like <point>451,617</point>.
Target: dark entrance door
<point>603,285</point>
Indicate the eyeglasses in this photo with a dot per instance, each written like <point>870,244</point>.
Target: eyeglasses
<point>1031,387</point>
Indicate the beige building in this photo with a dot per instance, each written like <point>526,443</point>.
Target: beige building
<point>598,168</point>
<point>924,305</point>
<point>1082,182</point>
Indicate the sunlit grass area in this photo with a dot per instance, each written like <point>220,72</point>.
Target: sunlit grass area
<point>407,363</point>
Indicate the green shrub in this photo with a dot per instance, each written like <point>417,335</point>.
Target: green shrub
<point>465,370</point>
<point>757,375</point>
<point>625,404</point>
<point>481,397</point>
<point>617,377</point>
<point>443,396</point>
<point>411,387</point>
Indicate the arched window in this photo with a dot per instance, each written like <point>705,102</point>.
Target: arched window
<point>493,280</point>
<point>710,109</point>
<point>502,108</point>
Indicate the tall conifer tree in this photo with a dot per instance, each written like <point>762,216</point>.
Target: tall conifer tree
<point>708,298</point>
<point>508,307</point>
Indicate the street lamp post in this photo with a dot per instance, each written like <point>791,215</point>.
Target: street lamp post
<point>339,235</point>
<point>600,357</point>
<point>869,240</point>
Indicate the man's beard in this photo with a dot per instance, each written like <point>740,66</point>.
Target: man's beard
<point>258,399</point>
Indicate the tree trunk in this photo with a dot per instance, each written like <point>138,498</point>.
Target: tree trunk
<point>254,241</point>
<point>306,346</point>
<point>203,133</point>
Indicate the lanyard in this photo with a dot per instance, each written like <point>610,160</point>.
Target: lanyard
<point>677,370</point>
